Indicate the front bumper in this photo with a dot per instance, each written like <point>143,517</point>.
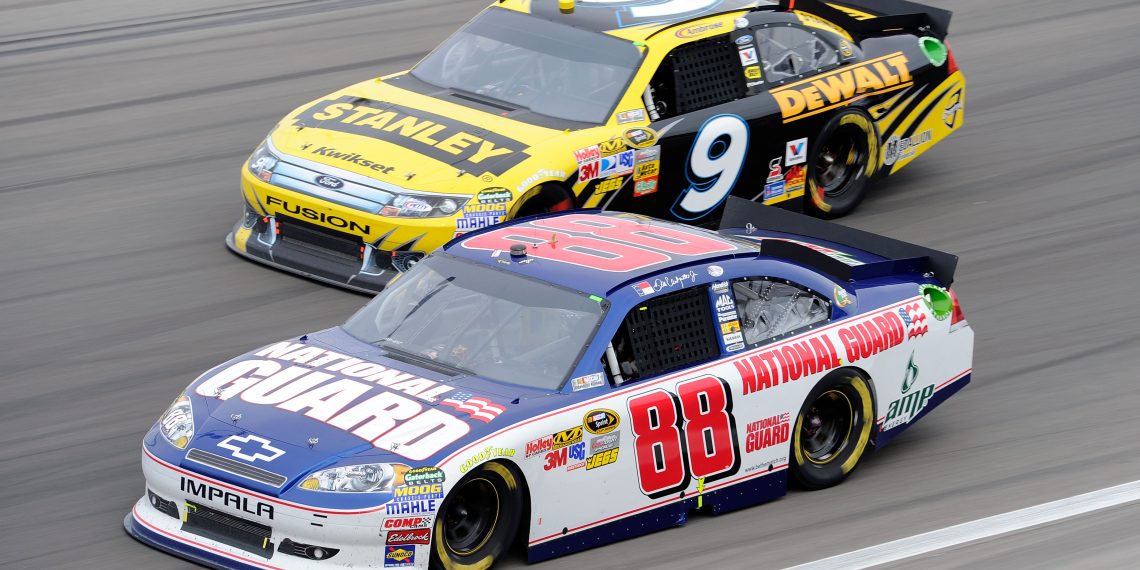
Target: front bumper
<point>362,274</point>
<point>323,240</point>
<point>251,537</point>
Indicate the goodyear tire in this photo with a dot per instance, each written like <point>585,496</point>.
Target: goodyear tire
<point>841,164</point>
<point>832,430</point>
<point>478,520</point>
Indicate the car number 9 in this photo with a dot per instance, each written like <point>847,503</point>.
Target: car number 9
<point>715,162</point>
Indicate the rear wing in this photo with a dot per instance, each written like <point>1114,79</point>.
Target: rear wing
<point>901,257</point>
<point>867,18</point>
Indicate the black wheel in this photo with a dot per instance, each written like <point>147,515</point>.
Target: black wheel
<point>832,430</point>
<point>479,519</point>
<point>841,164</point>
<point>547,198</point>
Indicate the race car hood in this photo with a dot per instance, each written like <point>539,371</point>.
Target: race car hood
<point>298,406</point>
<point>409,139</point>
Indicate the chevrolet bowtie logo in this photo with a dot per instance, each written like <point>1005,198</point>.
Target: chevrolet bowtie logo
<point>251,448</point>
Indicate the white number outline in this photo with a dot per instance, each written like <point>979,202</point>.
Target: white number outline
<point>702,197</point>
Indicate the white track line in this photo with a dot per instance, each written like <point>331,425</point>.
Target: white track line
<point>977,530</point>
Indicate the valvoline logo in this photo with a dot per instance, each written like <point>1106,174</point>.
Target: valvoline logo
<point>399,557</point>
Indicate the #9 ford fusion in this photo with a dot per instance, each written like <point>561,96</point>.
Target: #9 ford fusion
<point>659,107</point>
<point>643,368</point>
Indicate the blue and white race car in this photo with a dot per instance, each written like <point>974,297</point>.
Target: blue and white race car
<point>578,378</point>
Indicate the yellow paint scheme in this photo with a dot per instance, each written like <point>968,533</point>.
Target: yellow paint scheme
<point>813,21</point>
<point>240,237</point>
<point>949,95</point>
<point>429,233</point>
<point>550,152</point>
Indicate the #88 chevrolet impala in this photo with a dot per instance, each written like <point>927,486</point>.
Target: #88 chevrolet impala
<point>660,107</point>
<point>569,379</point>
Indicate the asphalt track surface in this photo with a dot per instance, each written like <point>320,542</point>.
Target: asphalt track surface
<point>123,124</point>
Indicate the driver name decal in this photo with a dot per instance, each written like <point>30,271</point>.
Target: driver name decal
<point>445,139</point>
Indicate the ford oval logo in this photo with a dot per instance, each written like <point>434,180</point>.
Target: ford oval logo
<point>330,182</point>
<point>744,40</point>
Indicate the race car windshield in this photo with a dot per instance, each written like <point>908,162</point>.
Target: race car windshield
<point>464,316</point>
<point>551,69</point>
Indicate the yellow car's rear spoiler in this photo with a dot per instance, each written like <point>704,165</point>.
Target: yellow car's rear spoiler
<point>869,18</point>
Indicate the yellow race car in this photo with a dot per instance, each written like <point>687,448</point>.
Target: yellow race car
<point>661,107</point>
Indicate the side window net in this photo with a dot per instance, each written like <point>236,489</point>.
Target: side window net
<point>770,309</point>
<point>699,75</point>
<point>666,333</point>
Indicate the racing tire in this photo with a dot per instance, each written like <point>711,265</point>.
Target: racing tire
<point>478,520</point>
<point>546,198</point>
<point>832,430</point>
<point>841,164</point>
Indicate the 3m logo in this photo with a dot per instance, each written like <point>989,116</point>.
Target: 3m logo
<point>589,170</point>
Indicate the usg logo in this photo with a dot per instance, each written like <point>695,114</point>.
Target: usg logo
<point>251,448</point>
<point>330,182</point>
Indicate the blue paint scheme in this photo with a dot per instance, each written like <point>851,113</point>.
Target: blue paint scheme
<point>741,495</point>
<point>290,431</point>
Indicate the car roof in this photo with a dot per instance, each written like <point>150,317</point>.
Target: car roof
<point>635,21</point>
<point>560,249</point>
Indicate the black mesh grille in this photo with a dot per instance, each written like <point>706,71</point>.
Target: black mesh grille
<point>706,73</point>
<point>236,532</point>
<point>672,331</point>
<point>308,235</point>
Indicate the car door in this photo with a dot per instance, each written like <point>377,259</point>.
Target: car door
<point>719,130</point>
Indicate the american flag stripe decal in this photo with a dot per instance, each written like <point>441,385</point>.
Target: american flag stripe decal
<point>481,409</point>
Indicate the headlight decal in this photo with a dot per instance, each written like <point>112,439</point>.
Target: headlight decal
<point>365,478</point>
<point>177,423</point>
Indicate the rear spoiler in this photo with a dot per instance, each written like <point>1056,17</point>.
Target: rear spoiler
<point>867,18</point>
<point>901,257</point>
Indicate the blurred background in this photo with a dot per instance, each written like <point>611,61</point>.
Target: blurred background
<point>123,125</point>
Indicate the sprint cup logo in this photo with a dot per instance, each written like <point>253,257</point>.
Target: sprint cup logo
<point>837,88</point>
